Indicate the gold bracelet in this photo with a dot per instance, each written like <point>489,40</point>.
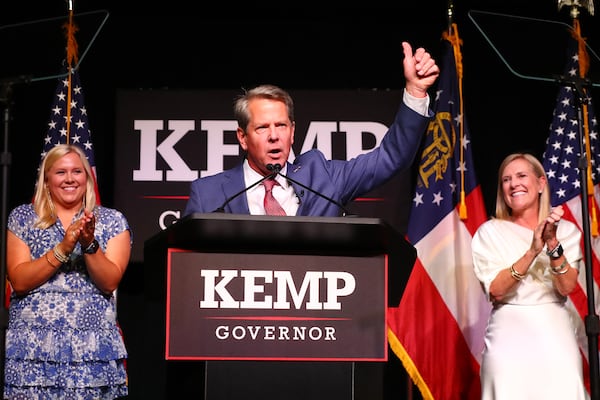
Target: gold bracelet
<point>60,256</point>
<point>518,276</point>
<point>50,262</point>
<point>561,269</point>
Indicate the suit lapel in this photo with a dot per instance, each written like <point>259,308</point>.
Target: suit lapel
<point>233,183</point>
<point>294,171</point>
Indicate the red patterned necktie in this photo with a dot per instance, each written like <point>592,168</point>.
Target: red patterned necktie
<point>272,206</point>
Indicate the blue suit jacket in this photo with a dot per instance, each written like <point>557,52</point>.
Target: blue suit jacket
<point>340,180</point>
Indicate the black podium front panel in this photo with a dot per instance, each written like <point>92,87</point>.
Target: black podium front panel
<point>240,238</point>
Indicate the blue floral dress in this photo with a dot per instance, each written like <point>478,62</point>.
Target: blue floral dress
<point>63,341</point>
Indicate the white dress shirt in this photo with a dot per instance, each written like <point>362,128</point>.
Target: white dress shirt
<point>284,192</point>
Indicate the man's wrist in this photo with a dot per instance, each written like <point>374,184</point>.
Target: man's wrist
<point>416,92</point>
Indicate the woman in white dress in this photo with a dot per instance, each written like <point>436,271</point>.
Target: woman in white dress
<point>527,259</point>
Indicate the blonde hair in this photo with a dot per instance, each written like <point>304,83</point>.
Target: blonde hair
<point>503,211</point>
<point>42,202</point>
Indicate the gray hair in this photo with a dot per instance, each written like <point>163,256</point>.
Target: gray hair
<point>271,92</point>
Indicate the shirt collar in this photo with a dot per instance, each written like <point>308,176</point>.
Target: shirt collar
<point>251,176</point>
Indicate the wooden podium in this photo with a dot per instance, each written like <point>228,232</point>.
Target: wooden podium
<point>314,289</point>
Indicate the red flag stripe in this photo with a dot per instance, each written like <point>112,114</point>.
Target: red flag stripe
<point>434,340</point>
<point>476,213</point>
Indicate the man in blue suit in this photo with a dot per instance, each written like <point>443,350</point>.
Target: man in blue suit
<point>265,116</point>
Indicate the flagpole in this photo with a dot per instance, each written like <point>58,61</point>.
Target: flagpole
<point>5,161</point>
<point>581,86</point>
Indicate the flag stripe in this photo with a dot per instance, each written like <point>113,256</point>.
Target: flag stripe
<point>403,355</point>
<point>476,213</point>
<point>444,343</point>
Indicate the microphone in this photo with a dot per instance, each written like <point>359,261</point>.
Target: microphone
<point>244,190</point>
<point>277,167</point>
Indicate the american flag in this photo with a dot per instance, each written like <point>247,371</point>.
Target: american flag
<point>561,163</point>
<point>69,98</point>
<point>442,315</point>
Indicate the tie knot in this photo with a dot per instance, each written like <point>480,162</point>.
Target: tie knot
<point>269,183</point>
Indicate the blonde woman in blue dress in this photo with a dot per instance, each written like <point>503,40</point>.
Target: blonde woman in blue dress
<point>66,256</point>
<point>527,259</point>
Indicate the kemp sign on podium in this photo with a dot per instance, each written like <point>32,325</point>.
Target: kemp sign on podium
<point>275,306</point>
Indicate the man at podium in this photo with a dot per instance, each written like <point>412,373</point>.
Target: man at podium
<point>266,183</point>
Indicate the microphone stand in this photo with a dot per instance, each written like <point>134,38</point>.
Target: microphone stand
<point>275,170</point>
<point>591,321</point>
<point>258,182</point>
<point>5,161</point>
